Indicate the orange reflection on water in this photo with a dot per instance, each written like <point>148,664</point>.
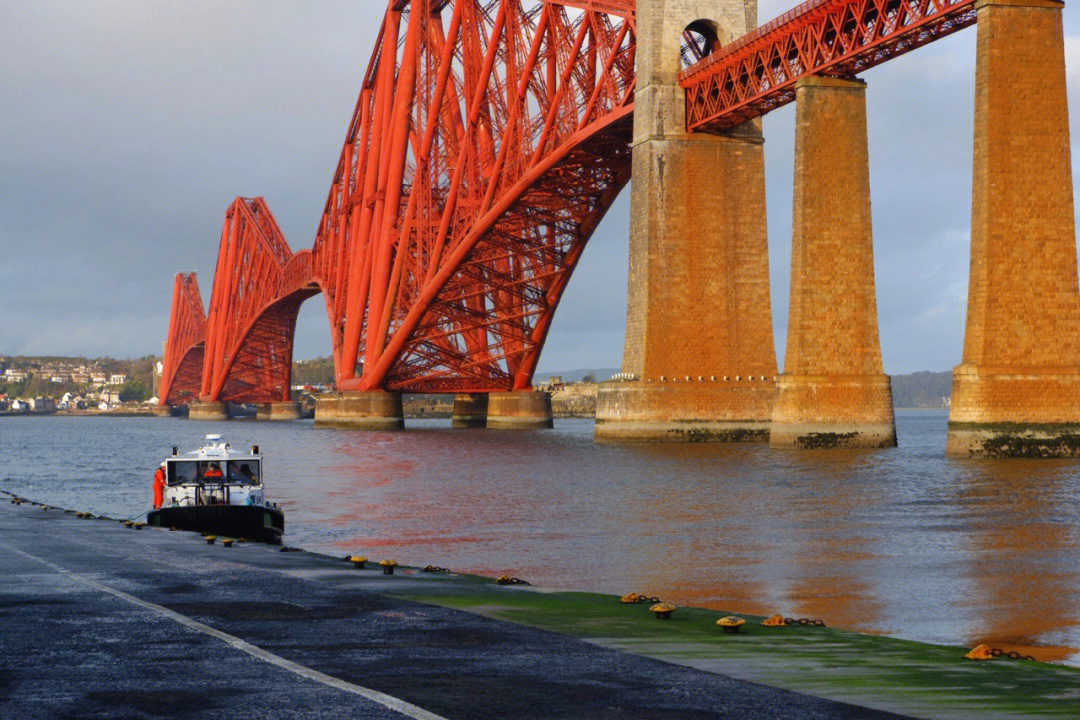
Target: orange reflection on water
<point>1024,593</point>
<point>899,541</point>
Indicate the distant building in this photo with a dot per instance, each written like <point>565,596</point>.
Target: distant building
<point>99,378</point>
<point>552,384</point>
<point>71,401</point>
<point>117,379</point>
<point>42,404</point>
<point>13,375</point>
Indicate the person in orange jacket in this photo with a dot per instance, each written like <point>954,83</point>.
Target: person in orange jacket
<point>213,472</point>
<point>159,486</point>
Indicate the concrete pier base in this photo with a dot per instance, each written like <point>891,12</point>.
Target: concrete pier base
<point>733,410</point>
<point>523,410</point>
<point>374,410</point>
<point>816,412</point>
<point>208,411</point>
<point>470,410</point>
<point>277,411</point>
<point>162,411</point>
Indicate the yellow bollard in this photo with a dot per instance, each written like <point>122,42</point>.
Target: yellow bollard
<point>663,610</point>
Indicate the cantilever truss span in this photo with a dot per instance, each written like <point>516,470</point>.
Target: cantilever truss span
<point>182,364</point>
<point>489,139</point>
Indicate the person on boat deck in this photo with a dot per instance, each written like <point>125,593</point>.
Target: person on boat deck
<point>245,474</point>
<point>213,472</point>
<point>159,486</point>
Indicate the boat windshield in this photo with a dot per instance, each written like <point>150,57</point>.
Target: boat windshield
<point>233,472</point>
<point>243,472</point>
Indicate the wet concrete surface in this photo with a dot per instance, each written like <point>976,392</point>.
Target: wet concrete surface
<point>69,649</point>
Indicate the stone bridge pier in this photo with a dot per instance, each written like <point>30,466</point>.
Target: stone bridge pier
<point>699,354</point>
<point>1017,391</point>
<point>833,392</point>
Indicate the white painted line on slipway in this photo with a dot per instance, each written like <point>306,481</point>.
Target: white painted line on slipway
<point>387,701</point>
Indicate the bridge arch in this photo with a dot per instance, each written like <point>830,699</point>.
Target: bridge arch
<point>701,38</point>
<point>259,368</point>
<point>180,385</point>
<point>666,28</point>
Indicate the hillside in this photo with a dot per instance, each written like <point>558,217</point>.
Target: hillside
<point>922,389</point>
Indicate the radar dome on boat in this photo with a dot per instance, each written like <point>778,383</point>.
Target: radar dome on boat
<point>213,436</point>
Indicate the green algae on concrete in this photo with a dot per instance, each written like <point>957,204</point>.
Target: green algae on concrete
<point>884,673</point>
<point>1016,440</point>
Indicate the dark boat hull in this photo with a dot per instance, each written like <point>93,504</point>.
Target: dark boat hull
<point>251,522</point>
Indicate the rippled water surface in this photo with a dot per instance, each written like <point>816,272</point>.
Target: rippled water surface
<point>902,541</point>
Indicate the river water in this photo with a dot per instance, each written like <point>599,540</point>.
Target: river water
<point>902,541</point>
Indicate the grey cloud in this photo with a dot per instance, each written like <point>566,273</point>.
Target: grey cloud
<point>127,128</point>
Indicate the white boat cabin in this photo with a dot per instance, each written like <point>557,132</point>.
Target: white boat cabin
<point>215,474</point>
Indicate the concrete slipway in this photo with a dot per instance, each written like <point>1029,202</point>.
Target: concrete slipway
<point>98,620</point>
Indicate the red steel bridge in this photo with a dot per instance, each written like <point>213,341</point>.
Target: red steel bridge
<point>489,139</point>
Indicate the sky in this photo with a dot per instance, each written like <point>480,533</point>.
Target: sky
<point>127,128</point>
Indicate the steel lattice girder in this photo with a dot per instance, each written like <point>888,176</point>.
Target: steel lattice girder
<point>261,368</point>
<point>258,288</point>
<point>181,374</point>
<point>757,72</point>
<point>488,140</point>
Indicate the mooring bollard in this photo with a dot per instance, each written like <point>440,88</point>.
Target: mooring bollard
<point>663,610</point>
<point>730,624</point>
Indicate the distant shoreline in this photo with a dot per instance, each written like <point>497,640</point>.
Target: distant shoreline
<point>81,413</point>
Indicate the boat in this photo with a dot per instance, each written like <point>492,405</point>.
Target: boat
<point>218,490</point>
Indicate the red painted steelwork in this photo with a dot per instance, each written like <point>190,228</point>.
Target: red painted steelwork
<point>489,139</point>
<point>181,375</point>
<point>258,288</point>
<point>840,38</point>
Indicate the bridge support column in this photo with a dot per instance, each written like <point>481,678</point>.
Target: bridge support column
<point>470,410</point>
<point>162,411</point>
<point>522,410</point>
<point>1017,391</point>
<point>699,340</point>
<point>208,410</point>
<point>833,392</point>
<point>277,411</point>
<point>374,410</point>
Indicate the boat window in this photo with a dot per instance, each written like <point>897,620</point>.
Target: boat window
<point>181,472</point>
<point>211,471</point>
<point>244,472</point>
